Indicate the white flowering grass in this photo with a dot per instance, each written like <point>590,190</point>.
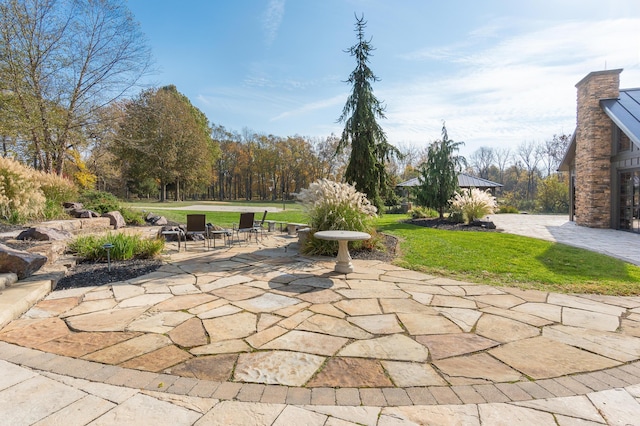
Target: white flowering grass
<point>473,204</point>
<point>332,205</point>
<point>20,193</point>
<point>27,194</point>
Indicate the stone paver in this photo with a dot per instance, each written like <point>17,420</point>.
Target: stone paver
<point>354,328</point>
<point>190,333</point>
<point>256,332</point>
<point>109,320</point>
<point>409,374</point>
<point>395,347</point>
<point>351,372</point>
<point>277,367</point>
<point>448,345</point>
<point>304,341</point>
<point>129,349</point>
<point>541,358</point>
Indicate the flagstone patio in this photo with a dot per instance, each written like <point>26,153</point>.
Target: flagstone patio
<point>265,314</point>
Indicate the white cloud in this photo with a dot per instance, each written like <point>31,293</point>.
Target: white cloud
<point>272,19</point>
<point>521,88</point>
<point>310,107</point>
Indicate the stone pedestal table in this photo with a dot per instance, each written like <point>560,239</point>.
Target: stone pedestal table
<point>343,262</point>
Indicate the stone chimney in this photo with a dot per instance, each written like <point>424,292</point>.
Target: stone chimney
<point>594,136</point>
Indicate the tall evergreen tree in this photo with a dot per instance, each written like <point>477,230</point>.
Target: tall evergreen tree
<point>369,147</point>
<point>439,174</point>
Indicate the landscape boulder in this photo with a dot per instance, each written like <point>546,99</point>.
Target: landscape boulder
<point>19,262</point>
<point>115,218</point>
<point>154,219</point>
<point>76,206</point>
<point>41,233</point>
<point>82,213</point>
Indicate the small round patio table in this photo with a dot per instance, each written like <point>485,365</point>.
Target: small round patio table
<point>343,262</point>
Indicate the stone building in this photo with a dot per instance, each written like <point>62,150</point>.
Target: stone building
<point>603,158</point>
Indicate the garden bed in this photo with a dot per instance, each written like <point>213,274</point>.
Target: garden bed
<point>448,225</point>
<point>87,274</point>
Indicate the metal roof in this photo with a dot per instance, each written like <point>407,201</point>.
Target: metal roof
<point>464,181</point>
<point>625,112</point>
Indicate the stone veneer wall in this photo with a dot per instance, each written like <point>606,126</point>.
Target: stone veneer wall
<point>593,149</point>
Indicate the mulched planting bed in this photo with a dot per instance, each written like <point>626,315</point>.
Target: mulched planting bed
<point>449,226</point>
<point>87,274</point>
<point>390,243</point>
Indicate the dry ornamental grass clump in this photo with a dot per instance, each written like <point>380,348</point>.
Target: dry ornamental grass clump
<point>332,205</point>
<point>473,204</point>
<point>20,194</point>
<point>27,194</point>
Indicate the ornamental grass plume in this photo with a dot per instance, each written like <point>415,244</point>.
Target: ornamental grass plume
<point>20,194</point>
<point>473,204</point>
<point>332,205</point>
<point>28,194</point>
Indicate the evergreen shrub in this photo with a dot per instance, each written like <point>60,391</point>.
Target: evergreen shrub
<point>420,212</point>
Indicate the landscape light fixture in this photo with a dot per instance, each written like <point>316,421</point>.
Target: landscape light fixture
<point>108,247</point>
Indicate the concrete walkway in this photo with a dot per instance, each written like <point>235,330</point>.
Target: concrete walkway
<point>619,244</point>
<point>261,335</point>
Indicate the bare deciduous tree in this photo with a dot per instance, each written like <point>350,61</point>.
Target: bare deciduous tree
<point>481,160</point>
<point>62,60</point>
<point>553,150</point>
<point>530,153</point>
<point>503,157</point>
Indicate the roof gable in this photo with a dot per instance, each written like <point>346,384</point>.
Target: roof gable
<point>569,155</point>
<point>625,113</point>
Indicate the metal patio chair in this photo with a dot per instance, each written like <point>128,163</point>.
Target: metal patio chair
<point>246,226</point>
<point>196,225</point>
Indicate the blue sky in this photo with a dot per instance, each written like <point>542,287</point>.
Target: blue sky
<point>499,72</point>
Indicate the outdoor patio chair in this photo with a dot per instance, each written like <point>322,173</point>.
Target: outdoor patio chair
<point>196,225</point>
<point>259,225</point>
<point>246,226</point>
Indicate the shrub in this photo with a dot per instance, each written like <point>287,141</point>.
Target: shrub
<point>20,195</point>
<point>508,209</point>
<point>473,204</point>
<point>553,195</point>
<point>419,212</point>
<point>99,201</point>
<point>132,217</point>
<point>332,205</point>
<point>27,194</point>
<point>57,190</point>
<point>456,217</point>
<point>125,247</point>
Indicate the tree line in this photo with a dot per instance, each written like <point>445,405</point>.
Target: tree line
<point>158,145</point>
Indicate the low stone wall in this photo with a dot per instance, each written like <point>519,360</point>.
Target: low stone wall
<point>79,226</point>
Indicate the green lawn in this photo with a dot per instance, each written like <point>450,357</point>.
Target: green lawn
<point>511,260</point>
<point>293,212</point>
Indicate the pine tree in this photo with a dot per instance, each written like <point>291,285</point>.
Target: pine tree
<point>369,146</point>
<point>439,174</point>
